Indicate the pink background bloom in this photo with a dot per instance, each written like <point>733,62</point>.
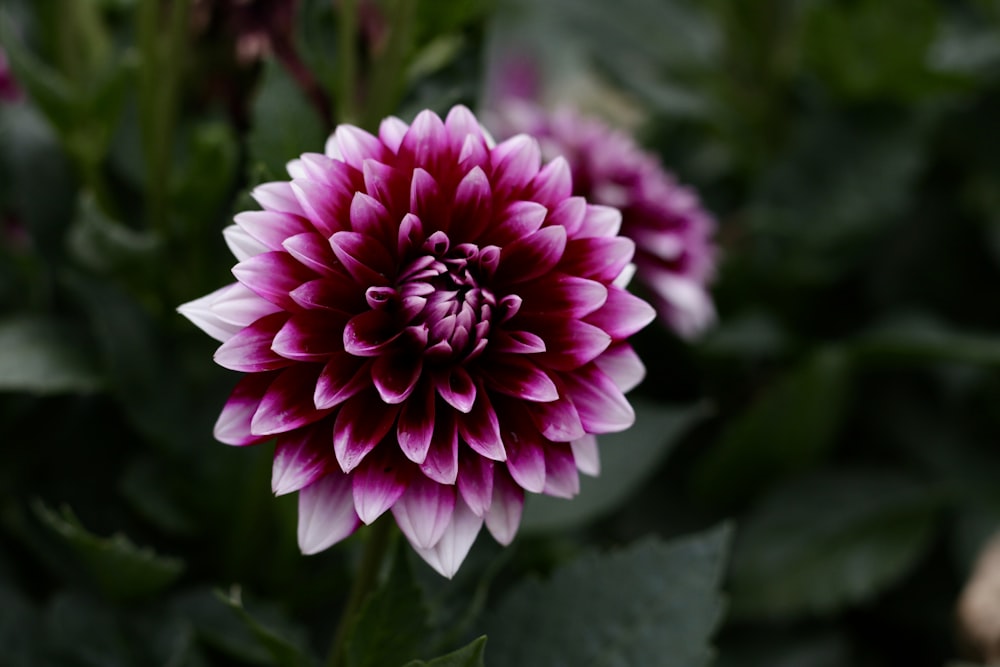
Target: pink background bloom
<point>675,256</point>
<point>9,90</point>
<point>429,324</point>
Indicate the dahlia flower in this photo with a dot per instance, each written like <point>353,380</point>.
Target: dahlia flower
<point>430,324</point>
<point>675,256</point>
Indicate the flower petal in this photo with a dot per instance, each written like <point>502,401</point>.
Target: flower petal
<point>300,458</point>
<point>518,377</point>
<point>361,423</point>
<point>480,429</point>
<point>378,483</point>
<point>367,262</point>
<point>586,455</point>
<point>233,425</point>
<point>601,405</point>
<point>415,429</point>
<point>623,366</point>
<point>560,295</point>
<point>288,403</point>
<point>277,196</point>
<point>395,374</point>
<point>623,314</point>
<point>531,256</point>
<point>557,420</point>
<point>313,251</point>
<point>475,481</point>
<point>242,245</point>
<point>368,334</point>
<point>597,258</point>
<point>342,377</point>
<point>456,387</point>
<point>270,228</point>
<point>250,351</point>
<point>424,511</point>
<point>561,477</point>
<point>447,555</point>
<point>515,163</point>
<point>272,275</point>
<point>326,513</point>
<point>504,515</point>
<point>441,463</point>
<point>310,336</point>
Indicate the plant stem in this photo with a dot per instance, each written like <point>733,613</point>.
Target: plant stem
<point>347,56</point>
<point>379,538</point>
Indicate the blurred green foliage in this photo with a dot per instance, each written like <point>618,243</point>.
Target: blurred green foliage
<point>843,413</point>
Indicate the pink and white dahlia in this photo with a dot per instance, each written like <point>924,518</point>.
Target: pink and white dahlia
<point>429,324</point>
<point>675,256</point>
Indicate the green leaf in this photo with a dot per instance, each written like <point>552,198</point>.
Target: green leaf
<point>790,427</point>
<point>468,656</point>
<point>821,543</point>
<point>628,460</point>
<point>107,246</point>
<point>919,338</point>
<point>653,603</point>
<point>392,624</point>
<point>120,569</point>
<point>286,647</point>
<point>44,356</point>
<point>284,124</point>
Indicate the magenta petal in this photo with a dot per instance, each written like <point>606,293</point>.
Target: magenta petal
<point>326,206</point>
<point>224,312</point>
<point>531,256</point>
<point>273,275</point>
<point>410,235</point>
<point>480,429</point>
<point>312,251</point>
<point>338,294</point>
<point>326,513</point>
<point>622,365</point>
<point>456,387</point>
<point>395,375</point>
<point>600,221</point>
<point>565,296</point>
<point>270,227</point>
<point>586,455</point>
<point>426,142</point>
<point>475,153</point>
<point>558,420</point>
<point>623,314</point>
<point>371,220</point>
<point>383,185</point>
<point>447,555</point>
<point>570,214</point>
<point>250,351</point>
<point>516,342</point>
<point>310,336</point>
<point>515,163</point>
<point>561,477</point>
<point>460,123</point>
<point>473,207</point>
<point>570,343</point>
<point>516,220</point>
<point>597,258</point>
<point>361,423</point>
<point>288,402</point>
<point>242,245</point>
<point>367,261</point>
<point>233,424</point>
<point>504,515</point>
<point>475,482</point>
<point>355,146</point>
<point>368,334</point>
<point>441,463</point>
<point>300,458</point>
<point>424,511</point>
<point>601,405</point>
<point>391,132</point>
<point>379,481</point>
<point>415,428</point>
<point>342,377</point>
<point>526,456</point>
<point>553,184</point>
<point>426,202</point>
<point>277,196</point>
<point>515,376</point>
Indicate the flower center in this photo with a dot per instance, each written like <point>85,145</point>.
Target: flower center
<point>443,301</point>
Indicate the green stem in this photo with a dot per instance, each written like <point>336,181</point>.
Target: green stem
<point>347,56</point>
<point>389,76</point>
<point>379,538</point>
